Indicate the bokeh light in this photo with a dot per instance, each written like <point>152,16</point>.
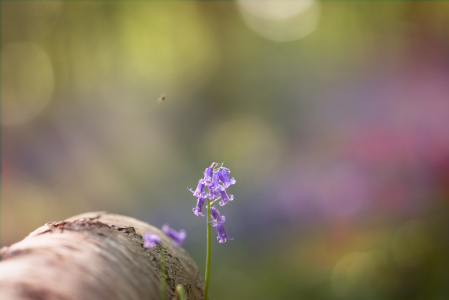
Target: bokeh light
<point>281,21</point>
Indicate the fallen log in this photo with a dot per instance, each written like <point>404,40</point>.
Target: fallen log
<point>94,256</point>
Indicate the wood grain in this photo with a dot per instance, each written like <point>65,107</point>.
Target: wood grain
<point>94,256</point>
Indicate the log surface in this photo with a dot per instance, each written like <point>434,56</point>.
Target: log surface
<point>94,256</point>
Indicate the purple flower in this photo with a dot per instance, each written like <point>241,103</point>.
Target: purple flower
<point>175,236</point>
<point>222,236</point>
<point>216,183</point>
<point>198,210</point>
<point>150,240</point>
<point>225,198</point>
<point>222,179</point>
<point>215,215</point>
<point>199,192</point>
<point>213,193</point>
<point>227,181</point>
<point>208,176</point>
<point>217,180</point>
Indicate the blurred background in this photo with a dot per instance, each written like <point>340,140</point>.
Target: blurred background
<point>332,116</point>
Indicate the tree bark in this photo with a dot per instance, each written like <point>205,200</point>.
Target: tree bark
<point>94,256</point>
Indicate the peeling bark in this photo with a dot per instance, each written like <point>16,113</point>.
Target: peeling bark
<point>94,256</point>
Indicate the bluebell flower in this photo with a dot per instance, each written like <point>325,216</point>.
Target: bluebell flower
<point>208,175</point>
<point>198,210</point>
<point>199,192</point>
<point>222,236</point>
<point>216,218</point>
<point>217,180</point>
<point>216,183</point>
<point>213,193</point>
<point>150,240</point>
<point>227,181</point>
<point>177,237</point>
<point>225,198</point>
<point>222,179</point>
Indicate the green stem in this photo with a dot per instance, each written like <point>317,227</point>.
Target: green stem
<point>180,291</point>
<point>163,274</point>
<point>206,283</point>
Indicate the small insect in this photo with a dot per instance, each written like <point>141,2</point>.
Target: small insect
<point>161,98</point>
